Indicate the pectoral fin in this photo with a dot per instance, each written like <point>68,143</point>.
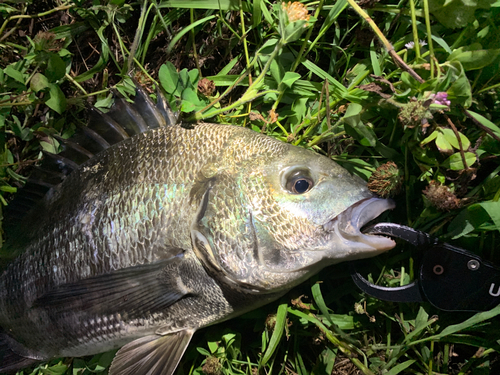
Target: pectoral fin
<point>151,355</point>
<point>134,291</point>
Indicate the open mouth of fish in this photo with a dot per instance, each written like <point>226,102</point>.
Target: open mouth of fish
<point>348,226</point>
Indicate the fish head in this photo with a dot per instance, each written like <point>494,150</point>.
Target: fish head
<point>278,217</point>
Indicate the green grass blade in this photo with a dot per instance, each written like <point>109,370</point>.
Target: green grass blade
<point>320,302</point>
<point>374,59</point>
<point>339,88</point>
<point>202,4</point>
<point>476,319</point>
<point>402,366</point>
<point>277,333</point>
<point>186,30</point>
<point>224,71</point>
<point>334,13</point>
<point>257,13</point>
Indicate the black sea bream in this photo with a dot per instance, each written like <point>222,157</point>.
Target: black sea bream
<point>150,230</point>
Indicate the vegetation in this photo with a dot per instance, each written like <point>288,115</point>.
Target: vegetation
<point>406,94</point>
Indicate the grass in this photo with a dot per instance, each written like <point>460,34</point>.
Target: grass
<point>414,83</point>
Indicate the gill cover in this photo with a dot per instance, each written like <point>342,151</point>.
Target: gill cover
<point>222,233</point>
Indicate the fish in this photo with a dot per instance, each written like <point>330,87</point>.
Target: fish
<point>145,229</point>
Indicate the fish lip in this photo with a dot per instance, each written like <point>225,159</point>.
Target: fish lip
<point>349,223</point>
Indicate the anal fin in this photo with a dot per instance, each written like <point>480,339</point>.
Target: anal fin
<point>152,355</point>
<point>11,362</point>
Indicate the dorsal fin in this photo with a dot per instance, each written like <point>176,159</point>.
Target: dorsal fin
<point>122,121</point>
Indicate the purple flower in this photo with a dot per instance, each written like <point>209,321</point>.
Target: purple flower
<point>440,98</point>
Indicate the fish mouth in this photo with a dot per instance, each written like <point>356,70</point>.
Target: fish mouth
<point>349,223</point>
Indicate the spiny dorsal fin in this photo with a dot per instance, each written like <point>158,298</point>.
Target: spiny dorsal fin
<point>122,121</point>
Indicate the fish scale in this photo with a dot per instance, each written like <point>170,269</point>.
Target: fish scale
<point>125,191</point>
<point>166,230</point>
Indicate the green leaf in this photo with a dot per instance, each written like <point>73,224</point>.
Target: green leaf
<point>24,133</point>
<point>457,13</point>
<point>39,82</point>
<point>473,57</point>
<point>57,100</point>
<point>356,128</point>
<point>194,77</point>
<point>203,351</point>
<point>467,221</point>
<point>450,136</point>
<point>8,189</point>
<point>14,73</point>
<point>189,94</point>
<point>185,80</point>
<point>276,71</point>
<point>58,369</point>
<point>430,138</point>
<point>357,166</point>
<point>447,139</point>
<point>493,210</point>
<point>442,143</point>
<point>409,81</point>
<point>56,68</point>
<point>454,162</point>
<point>105,102</point>
<point>460,89</point>
<point>52,148</point>
<point>294,30</point>
<point>187,106</point>
<point>290,78</point>
<point>441,42</point>
<point>422,319</point>
<point>299,110</point>
<point>486,123</point>
<point>7,8</point>
<point>169,78</point>
<point>213,346</point>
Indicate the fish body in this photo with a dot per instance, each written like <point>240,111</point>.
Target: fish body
<point>170,230</point>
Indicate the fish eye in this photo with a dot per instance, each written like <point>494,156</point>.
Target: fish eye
<point>299,182</point>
